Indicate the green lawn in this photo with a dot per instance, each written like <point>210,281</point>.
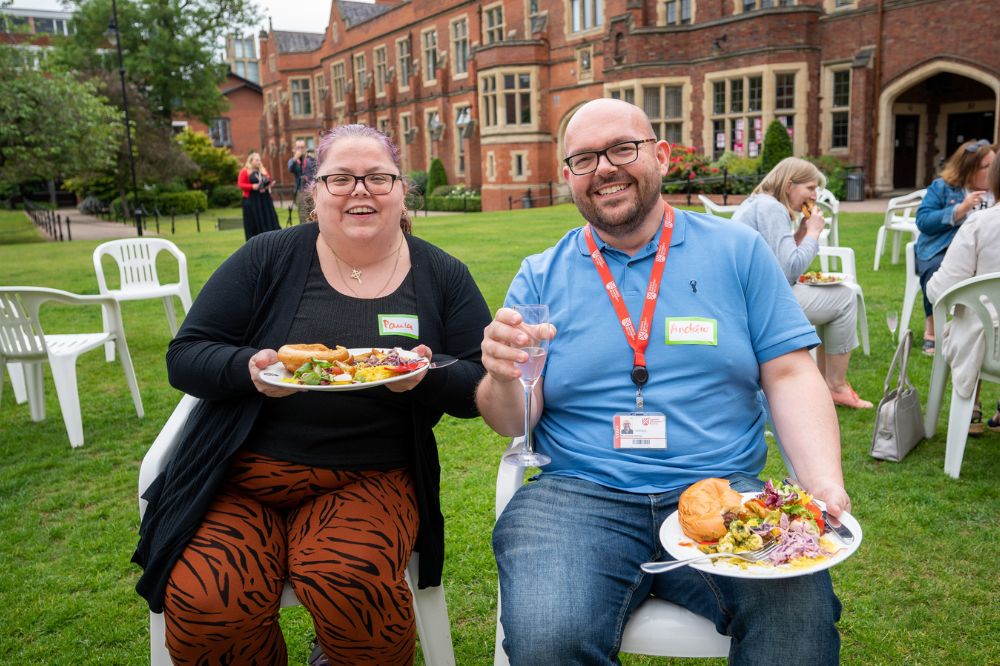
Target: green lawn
<point>922,589</point>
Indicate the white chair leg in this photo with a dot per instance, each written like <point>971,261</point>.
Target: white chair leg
<point>129,370</point>
<point>863,324</point>
<point>879,246</point>
<point>499,656</point>
<point>910,291</point>
<point>935,393</point>
<point>158,655</point>
<point>958,432</point>
<point>897,239</point>
<point>431,613</point>
<point>16,372</point>
<point>64,377</point>
<point>35,390</point>
<point>168,305</point>
<point>109,346</point>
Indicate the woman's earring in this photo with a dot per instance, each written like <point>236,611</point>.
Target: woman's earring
<point>312,217</point>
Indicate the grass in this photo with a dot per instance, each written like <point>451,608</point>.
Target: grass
<point>922,589</point>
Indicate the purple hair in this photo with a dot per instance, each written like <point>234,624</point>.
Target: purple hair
<point>360,132</point>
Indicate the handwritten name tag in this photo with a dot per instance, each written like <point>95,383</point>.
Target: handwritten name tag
<point>398,324</point>
<point>691,331</point>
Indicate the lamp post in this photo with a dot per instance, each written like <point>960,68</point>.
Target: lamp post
<point>114,35</point>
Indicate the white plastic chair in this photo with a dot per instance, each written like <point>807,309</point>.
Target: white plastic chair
<point>911,290</point>
<point>16,373</point>
<point>900,218</point>
<point>23,341</point>
<point>657,627</point>
<point>136,261</point>
<point>981,294</point>
<point>713,208</point>
<point>830,206</point>
<point>429,608</point>
<point>849,274</point>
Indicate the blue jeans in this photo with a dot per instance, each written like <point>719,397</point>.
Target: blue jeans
<point>568,553</point>
<point>926,270</point>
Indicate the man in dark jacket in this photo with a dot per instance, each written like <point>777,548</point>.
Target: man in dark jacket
<point>302,165</point>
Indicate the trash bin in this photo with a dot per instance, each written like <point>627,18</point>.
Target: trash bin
<point>526,201</point>
<point>856,186</point>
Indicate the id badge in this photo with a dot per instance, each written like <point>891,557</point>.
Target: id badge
<point>640,430</point>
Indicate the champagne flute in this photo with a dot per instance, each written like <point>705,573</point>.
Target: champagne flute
<point>892,321</point>
<point>533,317</point>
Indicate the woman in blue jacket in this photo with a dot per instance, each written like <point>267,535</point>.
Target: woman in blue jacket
<point>961,189</point>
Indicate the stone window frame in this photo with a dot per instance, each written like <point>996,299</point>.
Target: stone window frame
<point>828,106</point>
<point>519,157</point>
<point>359,70</point>
<point>307,93</point>
<point>380,69</point>
<point>493,33</point>
<point>454,44</point>
<point>491,166</point>
<point>429,56</point>
<point>338,82</point>
<point>662,17</point>
<point>597,7</point>
<point>633,91</point>
<point>585,63</point>
<point>404,63</point>
<point>500,102</point>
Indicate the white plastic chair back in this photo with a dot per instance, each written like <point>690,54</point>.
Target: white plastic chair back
<point>830,206</point>
<point>911,288</point>
<point>429,607</point>
<point>980,294</point>
<point>138,277</point>
<point>657,627</point>
<point>23,341</point>
<point>900,218</point>
<point>713,208</point>
<point>850,275</point>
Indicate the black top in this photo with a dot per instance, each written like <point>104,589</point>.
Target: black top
<point>364,429</point>
<point>249,304</point>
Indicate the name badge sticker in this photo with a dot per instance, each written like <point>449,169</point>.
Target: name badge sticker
<point>691,331</point>
<point>399,324</point>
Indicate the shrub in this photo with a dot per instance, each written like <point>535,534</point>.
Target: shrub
<point>688,165</point>
<point>182,203</point>
<point>777,146</point>
<point>442,190</point>
<point>836,174</point>
<point>225,196</point>
<point>457,199</point>
<point>744,172</point>
<point>436,176</point>
<point>418,181</point>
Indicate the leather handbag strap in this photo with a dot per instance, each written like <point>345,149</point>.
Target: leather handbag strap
<point>900,360</point>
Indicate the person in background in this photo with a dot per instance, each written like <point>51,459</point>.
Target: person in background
<point>974,250</point>
<point>331,491</point>
<point>570,542</point>
<point>302,165</point>
<point>951,198</point>
<point>258,206</point>
<point>771,209</point>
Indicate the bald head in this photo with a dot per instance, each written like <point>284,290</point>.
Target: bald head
<point>623,117</point>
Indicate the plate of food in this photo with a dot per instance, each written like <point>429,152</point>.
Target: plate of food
<point>316,367</point>
<point>712,517</point>
<point>820,279</point>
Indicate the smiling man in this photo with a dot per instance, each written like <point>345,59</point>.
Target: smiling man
<point>666,327</point>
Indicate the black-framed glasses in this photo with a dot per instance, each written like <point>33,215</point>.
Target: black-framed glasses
<point>342,184</point>
<point>619,154</point>
<point>973,147</point>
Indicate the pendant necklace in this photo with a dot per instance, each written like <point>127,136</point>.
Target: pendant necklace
<point>356,270</point>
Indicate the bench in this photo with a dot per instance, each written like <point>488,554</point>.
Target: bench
<point>224,223</point>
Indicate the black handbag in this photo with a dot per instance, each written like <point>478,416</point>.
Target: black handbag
<point>899,423</point>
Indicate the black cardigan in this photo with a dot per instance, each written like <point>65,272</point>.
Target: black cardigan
<point>248,304</point>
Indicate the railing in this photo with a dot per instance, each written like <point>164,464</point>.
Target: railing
<point>49,221</point>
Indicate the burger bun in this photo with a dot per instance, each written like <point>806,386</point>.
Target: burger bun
<point>294,356</point>
<point>702,506</point>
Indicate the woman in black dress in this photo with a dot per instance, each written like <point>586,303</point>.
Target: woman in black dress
<point>258,207</point>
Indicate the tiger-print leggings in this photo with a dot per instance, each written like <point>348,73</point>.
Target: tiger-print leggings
<point>343,539</point>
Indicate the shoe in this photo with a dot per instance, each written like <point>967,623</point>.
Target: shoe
<point>850,399</point>
<point>928,347</point>
<point>316,656</point>
<point>976,423</point>
<point>994,422</point>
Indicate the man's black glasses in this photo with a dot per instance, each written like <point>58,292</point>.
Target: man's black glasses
<point>619,154</point>
<point>342,184</point>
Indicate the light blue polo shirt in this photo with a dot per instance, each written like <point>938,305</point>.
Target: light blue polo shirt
<point>716,269</point>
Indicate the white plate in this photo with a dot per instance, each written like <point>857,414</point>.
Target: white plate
<point>839,280</point>
<point>277,374</point>
<point>682,548</point>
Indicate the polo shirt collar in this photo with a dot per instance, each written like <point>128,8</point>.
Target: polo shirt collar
<point>680,224</point>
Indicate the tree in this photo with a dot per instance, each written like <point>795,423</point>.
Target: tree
<point>169,49</point>
<point>215,165</point>
<point>436,176</point>
<point>777,146</point>
<point>51,125</point>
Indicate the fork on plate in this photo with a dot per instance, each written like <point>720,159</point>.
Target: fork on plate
<point>749,556</point>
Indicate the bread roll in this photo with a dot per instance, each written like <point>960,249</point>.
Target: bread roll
<point>702,506</point>
<point>807,209</point>
<point>294,356</point>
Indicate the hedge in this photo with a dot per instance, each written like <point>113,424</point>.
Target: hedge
<point>177,203</point>
<point>453,204</point>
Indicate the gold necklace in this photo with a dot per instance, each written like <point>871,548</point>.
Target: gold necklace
<point>356,270</point>
<point>392,273</point>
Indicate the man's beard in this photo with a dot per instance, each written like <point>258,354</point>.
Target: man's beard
<point>626,220</point>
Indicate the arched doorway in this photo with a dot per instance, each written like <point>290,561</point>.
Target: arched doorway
<point>926,114</point>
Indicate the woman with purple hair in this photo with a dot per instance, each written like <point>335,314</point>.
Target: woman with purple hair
<point>332,492</point>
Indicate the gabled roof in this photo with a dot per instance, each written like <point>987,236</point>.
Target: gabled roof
<point>355,13</point>
<point>235,82</point>
<point>297,42</point>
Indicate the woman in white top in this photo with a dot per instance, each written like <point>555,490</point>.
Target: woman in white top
<point>975,250</point>
<point>832,308</point>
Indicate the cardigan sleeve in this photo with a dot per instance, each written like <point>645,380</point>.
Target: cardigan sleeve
<point>243,181</point>
<point>959,263</point>
<point>770,218</point>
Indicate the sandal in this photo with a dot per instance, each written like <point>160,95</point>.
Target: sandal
<point>928,347</point>
<point>976,423</point>
<point>850,399</point>
<point>994,422</point>
<point>316,656</point>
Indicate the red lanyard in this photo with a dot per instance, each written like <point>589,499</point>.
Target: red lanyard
<point>638,341</point>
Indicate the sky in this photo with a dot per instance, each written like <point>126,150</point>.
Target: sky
<point>294,15</point>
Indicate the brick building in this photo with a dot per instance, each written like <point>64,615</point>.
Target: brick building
<point>240,127</point>
<point>892,86</point>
